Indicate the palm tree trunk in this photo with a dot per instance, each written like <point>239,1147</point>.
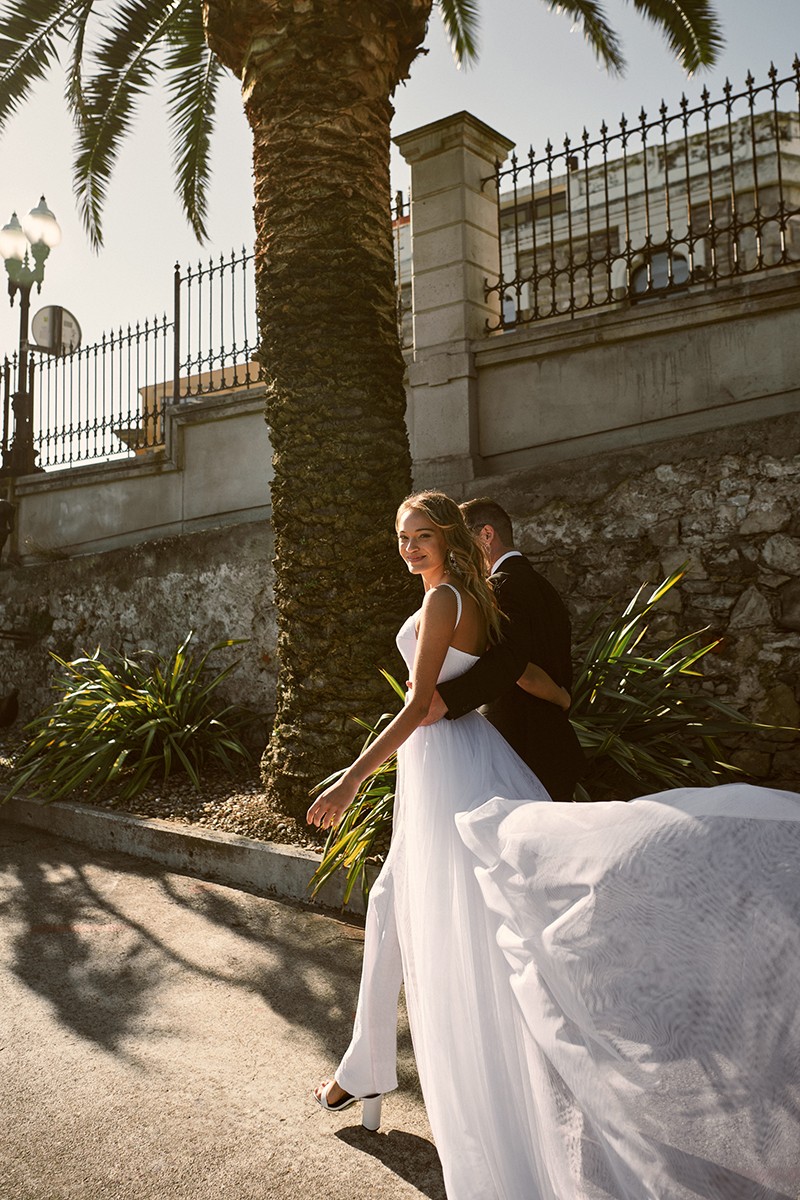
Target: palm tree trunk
<point>317,78</point>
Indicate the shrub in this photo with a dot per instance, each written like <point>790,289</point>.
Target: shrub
<point>366,827</point>
<point>124,722</point>
<point>642,724</point>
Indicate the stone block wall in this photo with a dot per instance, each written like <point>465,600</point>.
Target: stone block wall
<point>727,502</point>
<point>217,582</point>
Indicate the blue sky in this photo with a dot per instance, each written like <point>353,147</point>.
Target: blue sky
<point>535,80</point>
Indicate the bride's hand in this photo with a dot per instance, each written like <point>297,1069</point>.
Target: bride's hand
<point>329,808</point>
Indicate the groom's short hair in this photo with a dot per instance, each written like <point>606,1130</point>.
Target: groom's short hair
<point>484,511</point>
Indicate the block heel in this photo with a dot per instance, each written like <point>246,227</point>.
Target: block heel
<point>371,1113</point>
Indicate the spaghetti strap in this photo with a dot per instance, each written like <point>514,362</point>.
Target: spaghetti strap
<point>453,588</point>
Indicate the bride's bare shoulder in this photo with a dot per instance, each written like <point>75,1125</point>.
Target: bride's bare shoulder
<point>441,599</point>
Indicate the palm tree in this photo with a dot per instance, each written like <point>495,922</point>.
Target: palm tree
<point>317,80</point>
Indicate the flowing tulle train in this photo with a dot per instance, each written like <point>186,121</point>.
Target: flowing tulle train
<point>654,956</point>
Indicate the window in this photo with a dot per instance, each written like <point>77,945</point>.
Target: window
<point>515,216</point>
<point>552,204</point>
<point>544,207</point>
<point>658,280</point>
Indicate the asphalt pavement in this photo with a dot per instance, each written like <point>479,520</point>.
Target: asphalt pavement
<point>160,1035</point>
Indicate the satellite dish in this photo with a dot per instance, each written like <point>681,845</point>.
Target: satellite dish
<point>55,331</point>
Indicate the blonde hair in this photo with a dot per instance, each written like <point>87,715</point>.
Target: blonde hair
<point>466,560</point>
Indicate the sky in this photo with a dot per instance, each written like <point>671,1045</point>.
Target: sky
<point>536,79</point>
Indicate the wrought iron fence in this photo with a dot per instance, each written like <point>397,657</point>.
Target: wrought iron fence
<point>707,193</point>
<point>216,333</point>
<point>401,230</point>
<point>107,400</point>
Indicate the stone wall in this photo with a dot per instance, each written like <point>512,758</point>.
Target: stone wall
<point>146,597</point>
<point>726,502</point>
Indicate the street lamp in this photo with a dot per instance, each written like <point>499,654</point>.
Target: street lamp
<point>36,236</point>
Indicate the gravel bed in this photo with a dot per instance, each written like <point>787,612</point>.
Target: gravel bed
<point>230,803</point>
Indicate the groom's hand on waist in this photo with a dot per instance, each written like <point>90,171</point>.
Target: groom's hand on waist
<point>437,710</point>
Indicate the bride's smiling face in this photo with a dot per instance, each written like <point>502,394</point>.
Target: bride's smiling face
<point>422,545</point>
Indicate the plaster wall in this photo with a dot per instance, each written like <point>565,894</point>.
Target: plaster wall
<point>701,361</point>
<point>215,469</point>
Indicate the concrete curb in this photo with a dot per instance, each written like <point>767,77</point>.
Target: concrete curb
<point>263,867</point>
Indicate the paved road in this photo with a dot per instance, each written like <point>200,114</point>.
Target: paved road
<point>159,1036</point>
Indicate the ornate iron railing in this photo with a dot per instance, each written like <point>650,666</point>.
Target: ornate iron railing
<point>215,328</point>
<point>401,231</point>
<point>706,194</point>
<point>103,401</point>
<point>108,400</point>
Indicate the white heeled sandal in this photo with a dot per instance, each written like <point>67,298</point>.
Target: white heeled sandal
<point>370,1113</point>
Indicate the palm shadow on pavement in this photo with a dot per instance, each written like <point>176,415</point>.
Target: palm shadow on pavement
<point>98,961</point>
<point>98,956</point>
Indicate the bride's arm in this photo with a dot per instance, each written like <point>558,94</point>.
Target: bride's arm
<point>537,682</point>
<point>437,621</point>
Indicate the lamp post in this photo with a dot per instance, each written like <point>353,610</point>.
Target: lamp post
<point>36,236</point>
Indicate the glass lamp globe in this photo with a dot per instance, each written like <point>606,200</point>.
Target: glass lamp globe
<point>13,242</point>
<point>41,226</point>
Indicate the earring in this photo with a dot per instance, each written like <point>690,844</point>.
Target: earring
<point>451,561</point>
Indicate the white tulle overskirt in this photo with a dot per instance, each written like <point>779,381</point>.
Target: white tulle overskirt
<point>603,998</point>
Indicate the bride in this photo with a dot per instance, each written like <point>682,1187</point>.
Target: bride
<point>602,998</point>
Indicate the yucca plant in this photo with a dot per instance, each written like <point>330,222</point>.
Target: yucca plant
<point>123,722</point>
<point>642,723</point>
<point>365,829</point>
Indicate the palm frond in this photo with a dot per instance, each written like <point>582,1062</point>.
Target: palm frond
<point>193,78</point>
<point>690,27</point>
<point>395,686</point>
<point>365,827</point>
<point>29,47</point>
<point>589,17</point>
<point>121,721</point>
<point>693,33</point>
<point>126,60</point>
<point>460,18</point>
<point>74,89</point>
<point>633,712</point>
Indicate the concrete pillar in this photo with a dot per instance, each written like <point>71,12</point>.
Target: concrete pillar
<point>455,249</point>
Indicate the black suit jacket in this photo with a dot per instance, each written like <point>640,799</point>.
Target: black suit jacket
<point>535,628</point>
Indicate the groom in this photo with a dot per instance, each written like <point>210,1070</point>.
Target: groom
<point>535,628</point>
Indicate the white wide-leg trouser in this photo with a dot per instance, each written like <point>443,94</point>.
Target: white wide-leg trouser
<point>370,1061</point>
